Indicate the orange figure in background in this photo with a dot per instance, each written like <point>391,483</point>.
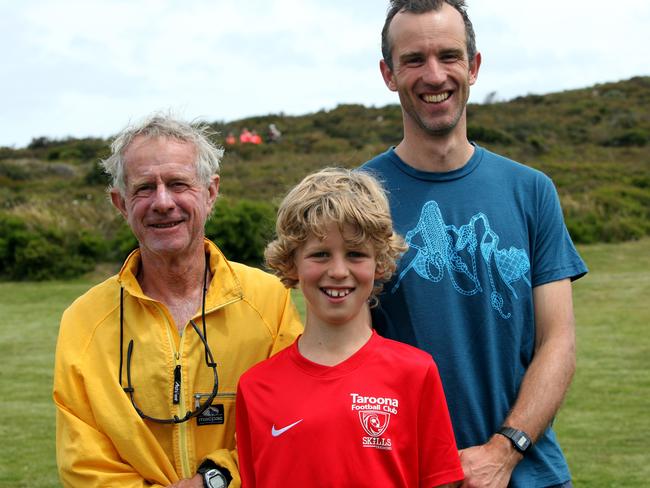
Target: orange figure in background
<point>245,136</point>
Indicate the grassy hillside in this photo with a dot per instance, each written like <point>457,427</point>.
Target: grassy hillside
<point>593,142</point>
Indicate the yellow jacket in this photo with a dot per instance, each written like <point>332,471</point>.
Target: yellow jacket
<point>101,439</point>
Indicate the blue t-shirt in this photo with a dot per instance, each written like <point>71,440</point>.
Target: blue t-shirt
<point>480,239</point>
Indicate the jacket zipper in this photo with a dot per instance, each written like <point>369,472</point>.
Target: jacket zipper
<point>182,427</point>
<point>179,398</point>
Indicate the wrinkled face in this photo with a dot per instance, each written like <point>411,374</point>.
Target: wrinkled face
<point>431,72</point>
<point>336,278</point>
<point>165,204</point>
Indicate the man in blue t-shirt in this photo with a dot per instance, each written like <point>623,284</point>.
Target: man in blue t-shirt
<point>485,286</point>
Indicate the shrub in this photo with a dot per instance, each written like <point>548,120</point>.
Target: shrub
<point>585,228</point>
<point>40,254</point>
<point>14,170</point>
<point>241,229</point>
<point>122,243</point>
<point>538,144</point>
<point>487,135</point>
<point>97,176</point>
<point>633,137</point>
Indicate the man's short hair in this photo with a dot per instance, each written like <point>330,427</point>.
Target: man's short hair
<point>208,154</point>
<point>347,198</point>
<point>420,7</point>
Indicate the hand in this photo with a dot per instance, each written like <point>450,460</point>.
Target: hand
<point>489,465</point>
<point>195,481</point>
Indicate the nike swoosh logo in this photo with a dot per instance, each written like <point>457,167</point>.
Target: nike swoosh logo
<point>277,432</point>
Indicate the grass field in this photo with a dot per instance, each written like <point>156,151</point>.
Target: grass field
<point>605,422</point>
<point>603,426</point>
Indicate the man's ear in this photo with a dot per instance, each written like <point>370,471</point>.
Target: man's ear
<point>473,68</point>
<point>387,75</point>
<point>213,190</point>
<point>118,202</point>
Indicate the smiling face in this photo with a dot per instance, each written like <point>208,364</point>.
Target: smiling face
<point>431,72</point>
<point>336,277</point>
<point>165,204</point>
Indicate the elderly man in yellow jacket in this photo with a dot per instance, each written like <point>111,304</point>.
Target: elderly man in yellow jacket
<point>147,362</point>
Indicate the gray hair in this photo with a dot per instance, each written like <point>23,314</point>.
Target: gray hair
<point>420,7</point>
<point>208,154</point>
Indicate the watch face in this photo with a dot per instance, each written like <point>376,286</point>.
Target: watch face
<point>519,439</point>
<point>522,441</point>
<point>214,479</point>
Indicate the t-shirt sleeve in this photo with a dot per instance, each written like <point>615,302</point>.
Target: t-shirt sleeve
<point>439,461</point>
<point>554,255</point>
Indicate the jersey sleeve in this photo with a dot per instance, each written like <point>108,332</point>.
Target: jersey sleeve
<point>439,460</point>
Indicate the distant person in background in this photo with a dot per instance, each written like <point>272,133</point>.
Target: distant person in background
<point>274,133</point>
<point>245,136</point>
<point>342,407</point>
<point>231,140</point>
<point>147,362</point>
<point>485,287</point>
<point>255,138</point>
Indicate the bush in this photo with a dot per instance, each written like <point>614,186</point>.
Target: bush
<point>538,144</point>
<point>633,137</point>
<point>40,254</point>
<point>488,136</point>
<point>585,228</point>
<point>14,170</point>
<point>241,229</point>
<point>97,176</point>
<point>122,243</point>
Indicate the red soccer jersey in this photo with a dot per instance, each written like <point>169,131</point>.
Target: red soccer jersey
<point>377,419</point>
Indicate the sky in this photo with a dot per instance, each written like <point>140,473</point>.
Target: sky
<point>87,68</point>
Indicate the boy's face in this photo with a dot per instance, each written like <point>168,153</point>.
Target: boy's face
<point>336,278</point>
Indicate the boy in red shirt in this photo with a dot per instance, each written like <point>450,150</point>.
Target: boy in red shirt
<point>342,406</point>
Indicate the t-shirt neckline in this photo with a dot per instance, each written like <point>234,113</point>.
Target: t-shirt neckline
<point>455,174</point>
<point>343,368</point>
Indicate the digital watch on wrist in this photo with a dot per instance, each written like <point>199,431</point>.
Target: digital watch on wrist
<point>519,438</point>
<point>213,477</point>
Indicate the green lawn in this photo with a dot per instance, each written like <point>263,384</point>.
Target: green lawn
<point>605,422</point>
<point>603,425</point>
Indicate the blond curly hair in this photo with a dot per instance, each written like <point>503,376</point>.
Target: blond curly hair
<point>351,199</point>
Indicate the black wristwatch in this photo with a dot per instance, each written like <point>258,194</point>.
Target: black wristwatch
<point>213,476</point>
<point>519,438</point>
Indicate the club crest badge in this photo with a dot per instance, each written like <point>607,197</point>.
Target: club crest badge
<point>374,423</point>
<point>374,415</point>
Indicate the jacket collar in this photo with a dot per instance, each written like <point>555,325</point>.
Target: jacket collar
<point>224,288</point>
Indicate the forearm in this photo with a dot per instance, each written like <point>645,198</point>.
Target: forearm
<point>540,396</point>
<point>549,375</point>
<point>541,393</point>
<point>544,386</point>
